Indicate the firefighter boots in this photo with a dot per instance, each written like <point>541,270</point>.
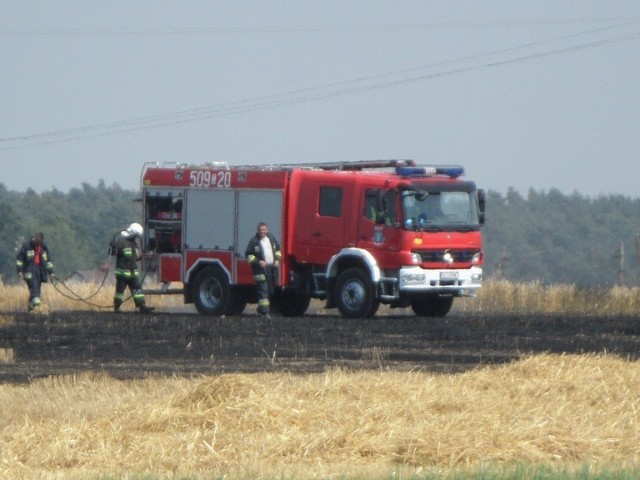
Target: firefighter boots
<point>34,304</point>
<point>145,309</point>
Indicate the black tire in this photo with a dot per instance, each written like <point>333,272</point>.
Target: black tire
<point>210,292</point>
<point>432,305</point>
<point>237,301</point>
<point>355,294</point>
<point>291,303</point>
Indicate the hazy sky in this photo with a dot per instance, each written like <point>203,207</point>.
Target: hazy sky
<point>539,95</point>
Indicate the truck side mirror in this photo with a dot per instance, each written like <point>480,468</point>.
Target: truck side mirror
<point>482,199</point>
<point>421,195</point>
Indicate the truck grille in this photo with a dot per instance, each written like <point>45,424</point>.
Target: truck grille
<point>437,256</point>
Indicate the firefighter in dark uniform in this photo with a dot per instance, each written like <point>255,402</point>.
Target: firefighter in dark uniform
<point>263,254</point>
<point>125,248</point>
<point>33,264</point>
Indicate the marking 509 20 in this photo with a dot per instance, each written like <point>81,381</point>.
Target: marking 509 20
<point>209,179</point>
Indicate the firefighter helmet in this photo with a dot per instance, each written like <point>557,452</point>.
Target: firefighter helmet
<point>135,230</point>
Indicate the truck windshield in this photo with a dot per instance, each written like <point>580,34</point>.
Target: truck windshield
<point>439,210</point>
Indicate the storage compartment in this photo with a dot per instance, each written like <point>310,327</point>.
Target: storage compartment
<point>163,211</point>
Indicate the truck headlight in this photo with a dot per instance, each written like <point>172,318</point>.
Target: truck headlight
<point>415,259</point>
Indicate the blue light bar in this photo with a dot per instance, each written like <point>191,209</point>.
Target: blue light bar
<point>428,171</point>
<point>410,171</point>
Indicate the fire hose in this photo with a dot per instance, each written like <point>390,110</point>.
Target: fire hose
<point>55,281</point>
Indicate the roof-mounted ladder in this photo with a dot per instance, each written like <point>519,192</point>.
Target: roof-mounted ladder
<point>352,165</point>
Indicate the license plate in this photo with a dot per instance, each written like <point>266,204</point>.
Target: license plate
<point>448,275</point>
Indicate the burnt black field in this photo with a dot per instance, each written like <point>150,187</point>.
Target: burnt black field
<point>130,345</point>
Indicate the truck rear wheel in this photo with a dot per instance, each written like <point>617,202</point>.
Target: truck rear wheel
<point>237,301</point>
<point>211,291</point>
<point>355,294</point>
<point>432,305</point>
<point>291,303</point>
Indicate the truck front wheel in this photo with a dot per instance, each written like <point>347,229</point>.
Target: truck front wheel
<point>355,294</point>
<point>432,305</point>
<point>211,291</point>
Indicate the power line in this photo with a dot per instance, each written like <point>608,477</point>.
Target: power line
<point>179,113</point>
<point>299,96</point>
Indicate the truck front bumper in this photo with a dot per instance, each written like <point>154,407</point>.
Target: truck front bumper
<point>458,282</point>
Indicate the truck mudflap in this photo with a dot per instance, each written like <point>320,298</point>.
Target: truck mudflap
<point>457,282</point>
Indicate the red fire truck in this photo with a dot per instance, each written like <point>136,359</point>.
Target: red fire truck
<point>354,234</point>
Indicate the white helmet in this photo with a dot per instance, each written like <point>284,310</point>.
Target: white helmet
<point>135,230</point>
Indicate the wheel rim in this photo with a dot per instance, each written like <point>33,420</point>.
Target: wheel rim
<point>210,293</point>
<point>353,294</point>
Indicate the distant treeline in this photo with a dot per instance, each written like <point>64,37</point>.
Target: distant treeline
<point>546,237</point>
<point>568,239</point>
<point>78,225</point>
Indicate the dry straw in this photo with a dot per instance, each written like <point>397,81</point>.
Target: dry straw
<point>503,297</point>
<point>558,410</point>
<point>499,296</point>
<point>72,296</point>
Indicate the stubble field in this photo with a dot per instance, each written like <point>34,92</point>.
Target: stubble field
<point>130,346</point>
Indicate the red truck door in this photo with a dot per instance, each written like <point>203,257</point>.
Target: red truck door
<point>321,216</point>
<point>377,222</point>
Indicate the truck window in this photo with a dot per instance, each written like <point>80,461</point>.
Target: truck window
<point>456,205</point>
<point>390,205</point>
<point>330,204</point>
<point>380,207</point>
<point>446,209</point>
<point>371,204</point>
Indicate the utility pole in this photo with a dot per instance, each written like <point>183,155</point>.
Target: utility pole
<point>502,263</point>
<point>620,257</point>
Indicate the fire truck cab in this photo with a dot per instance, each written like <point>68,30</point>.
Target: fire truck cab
<point>355,234</point>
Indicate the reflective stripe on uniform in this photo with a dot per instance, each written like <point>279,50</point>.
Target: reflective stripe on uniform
<point>123,273</point>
